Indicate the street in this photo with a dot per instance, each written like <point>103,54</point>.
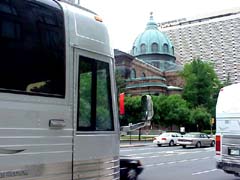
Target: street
<point>169,163</point>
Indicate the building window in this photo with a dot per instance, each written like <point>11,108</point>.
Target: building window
<point>133,74</point>
<point>165,48</point>
<point>154,47</point>
<point>173,50</point>
<point>143,75</point>
<point>143,48</point>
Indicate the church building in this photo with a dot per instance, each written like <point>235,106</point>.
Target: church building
<point>151,67</point>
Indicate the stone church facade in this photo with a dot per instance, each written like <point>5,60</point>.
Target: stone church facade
<point>151,67</point>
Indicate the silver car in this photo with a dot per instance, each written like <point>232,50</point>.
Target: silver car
<point>196,139</point>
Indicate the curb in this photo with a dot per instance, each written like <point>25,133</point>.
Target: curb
<point>132,145</point>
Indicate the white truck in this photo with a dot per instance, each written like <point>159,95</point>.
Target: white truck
<point>58,107</point>
<point>228,129</point>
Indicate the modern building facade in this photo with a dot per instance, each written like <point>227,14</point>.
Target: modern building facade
<point>151,66</point>
<point>213,38</point>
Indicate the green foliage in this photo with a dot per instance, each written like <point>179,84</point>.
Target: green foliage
<point>209,131</point>
<point>158,107</point>
<point>201,85</point>
<point>170,110</point>
<point>132,109</point>
<point>175,111</point>
<point>194,108</point>
<point>200,117</point>
<point>178,111</point>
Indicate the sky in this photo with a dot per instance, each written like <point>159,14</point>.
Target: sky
<point>126,19</point>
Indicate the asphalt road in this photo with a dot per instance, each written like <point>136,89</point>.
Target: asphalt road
<point>170,163</point>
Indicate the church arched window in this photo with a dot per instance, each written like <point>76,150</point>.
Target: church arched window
<point>143,48</point>
<point>165,48</point>
<point>134,49</point>
<point>154,47</point>
<point>133,74</point>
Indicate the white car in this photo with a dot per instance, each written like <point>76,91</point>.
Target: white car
<point>167,138</point>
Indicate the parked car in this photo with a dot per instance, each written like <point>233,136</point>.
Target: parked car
<point>130,168</point>
<point>167,138</point>
<point>196,139</point>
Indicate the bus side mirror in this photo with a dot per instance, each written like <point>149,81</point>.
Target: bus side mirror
<point>147,107</point>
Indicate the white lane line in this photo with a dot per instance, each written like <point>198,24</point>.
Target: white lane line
<point>205,158</point>
<point>158,155</point>
<point>204,172</point>
<point>172,162</point>
<point>175,152</point>
<point>137,157</point>
<point>161,152</point>
<point>175,162</point>
<point>153,156</point>
<point>167,155</point>
<point>160,164</point>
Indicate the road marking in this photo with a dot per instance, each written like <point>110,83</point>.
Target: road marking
<point>204,172</point>
<point>173,162</point>
<point>181,161</point>
<point>167,153</point>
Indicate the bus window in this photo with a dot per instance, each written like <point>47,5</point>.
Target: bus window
<point>95,103</point>
<point>32,43</point>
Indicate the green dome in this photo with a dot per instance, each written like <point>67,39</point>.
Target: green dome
<point>152,41</point>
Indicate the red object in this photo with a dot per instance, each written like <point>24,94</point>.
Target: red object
<point>121,104</point>
<point>218,145</point>
<point>164,139</point>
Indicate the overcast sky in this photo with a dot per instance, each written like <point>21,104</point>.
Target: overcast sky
<point>127,18</point>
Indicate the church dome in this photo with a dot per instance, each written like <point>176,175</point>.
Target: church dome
<point>152,41</point>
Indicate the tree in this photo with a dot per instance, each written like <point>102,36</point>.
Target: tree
<point>177,111</point>
<point>200,118</point>
<point>132,109</point>
<point>170,110</point>
<point>159,109</point>
<point>201,85</point>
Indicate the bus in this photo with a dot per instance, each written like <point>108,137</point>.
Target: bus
<point>58,115</point>
<point>58,100</point>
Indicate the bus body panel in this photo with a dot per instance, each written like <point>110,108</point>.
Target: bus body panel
<point>39,137</point>
<point>228,129</point>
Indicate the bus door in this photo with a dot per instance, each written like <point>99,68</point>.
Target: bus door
<point>96,141</point>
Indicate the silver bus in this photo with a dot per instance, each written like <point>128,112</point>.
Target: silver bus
<point>58,115</point>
